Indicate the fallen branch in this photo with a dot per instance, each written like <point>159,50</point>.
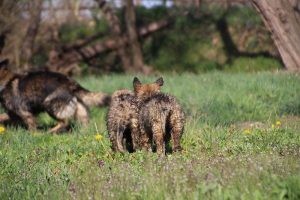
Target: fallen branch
<point>66,61</point>
<point>84,42</point>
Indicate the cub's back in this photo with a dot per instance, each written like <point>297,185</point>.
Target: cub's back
<point>160,101</point>
<point>123,105</point>
<point>158,106</point>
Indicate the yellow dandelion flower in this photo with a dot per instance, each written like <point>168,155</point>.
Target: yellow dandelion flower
<point>273,126</point>
<point>2,130</point>
<point>98,136</point>
<point>278,123</point>
<point>247,131</point>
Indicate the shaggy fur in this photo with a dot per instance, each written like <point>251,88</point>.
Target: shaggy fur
<point>24,96</point>
<point>122,122</point>
<point>160,117</point>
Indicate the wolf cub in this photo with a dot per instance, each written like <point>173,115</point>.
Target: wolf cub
<point>135,119</point>
<point>160,117</point>
<point>122,124</point>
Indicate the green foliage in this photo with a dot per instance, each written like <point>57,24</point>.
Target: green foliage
<point>146,15</point>
<point>234,146</point>
<point>244,64</point>
<point>246,16</point>
<point>71,32</point>
<point>190,43</point>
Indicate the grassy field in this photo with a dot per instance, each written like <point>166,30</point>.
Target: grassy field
<point>241,141</point>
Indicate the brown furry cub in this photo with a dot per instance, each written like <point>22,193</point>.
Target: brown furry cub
<point>23,96</point>
<point>160,116</point>
<point>122,122</point>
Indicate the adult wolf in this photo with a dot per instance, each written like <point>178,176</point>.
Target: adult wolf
<point>24,96</point>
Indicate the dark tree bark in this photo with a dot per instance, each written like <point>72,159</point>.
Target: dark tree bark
<point>138,2</point>
<point>228,44</point>
<point>2,41</point>
<point>283,21</point>
<point>115,28</point>
<point>230,48</point>
<point>164,3</point>
<point>35,12</point>
<point>136,52</point>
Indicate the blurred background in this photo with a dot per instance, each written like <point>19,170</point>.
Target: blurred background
<point>145,36</point>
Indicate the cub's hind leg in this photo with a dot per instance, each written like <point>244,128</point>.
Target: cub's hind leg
<point>158,129</point>
<point>177,126</point>
<point>116,135</point>
<point>144,140</point>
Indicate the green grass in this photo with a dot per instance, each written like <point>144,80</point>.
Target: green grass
<point>219,161</point>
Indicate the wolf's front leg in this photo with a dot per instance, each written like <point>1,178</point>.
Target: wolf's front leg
<point>145,142</point>
<point>177,126</point>
<point>28,119</point>
<point>135,133</point>
<point>4,118</point>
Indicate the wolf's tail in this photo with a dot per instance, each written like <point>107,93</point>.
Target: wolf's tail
<point>93,98</point>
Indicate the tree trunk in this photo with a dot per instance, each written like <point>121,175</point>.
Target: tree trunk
<point>115,27</point>
<point>136,52</point>
<point>32,31</point>
<point>284,24</point>
<point>197,3</point>
<point>164,3</point>
<point>2,41</point>
<point>138,2</point>
<point>230,48</point>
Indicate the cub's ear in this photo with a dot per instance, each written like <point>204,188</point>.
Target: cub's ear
<point>136,82</point>
<point>160,81</point>
<point>4,63</point>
